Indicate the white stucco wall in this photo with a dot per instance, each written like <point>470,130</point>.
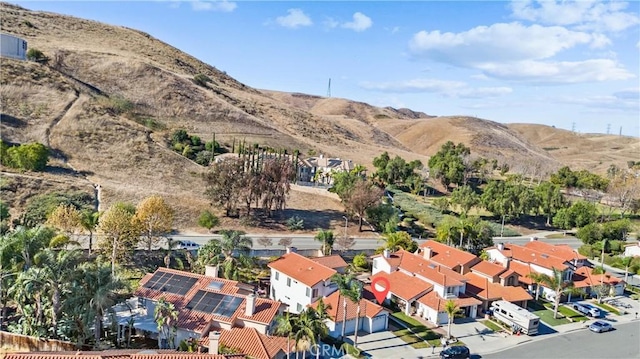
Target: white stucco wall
<point>296,295</point>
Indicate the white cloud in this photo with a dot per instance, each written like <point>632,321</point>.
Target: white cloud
<point>295,19</point>
<point>222,6</point>
<point>446,88</point>
<point>583,14</point>
<point>360,22</point>
<point>331,23</point>
<point>540,72</point>
<point>610,102</point>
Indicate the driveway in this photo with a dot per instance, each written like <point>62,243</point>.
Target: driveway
<point>385,345</point>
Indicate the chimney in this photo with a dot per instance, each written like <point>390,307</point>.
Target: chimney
<point>292,249</point>
<point>250,305</point>
<point>500,246</point>
<point>214,342</point>
<point>506,262</point>
<point>426,252</point>
<point>385,253</point>
<point>211,271</point>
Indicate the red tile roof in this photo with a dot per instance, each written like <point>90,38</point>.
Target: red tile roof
<point>368,309</point>
<point>523,271</point>
<point>333,261</point>
<point>434,301</point>
<point>265,311</point>
<point>252,343</point>
<point>583,277</point>
<point>124,354</point>
<point>393,259</point>
<point>481,287</point>
<point>488,268</point>
<point>559,250</point>
<point>434,272</point>
<point>448,256</point>
<point>302,269</point>
<point>405,286</point>
<point>527,255</point>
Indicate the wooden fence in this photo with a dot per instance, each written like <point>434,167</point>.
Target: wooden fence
<point>11,342</point>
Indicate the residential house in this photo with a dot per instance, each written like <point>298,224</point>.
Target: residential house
<point>121,354</point>
<point>489,282</point>
<point>632,250</point>
<point>204,303</point>
<point>321,169</point>
<point>251,342</point>
<point>333,261</point>
<point>373,318</point>
<point>299,281</point>
<point>585,279</point>
<point>455,259</point>
<point>572,257</point>
<point>421,286</point>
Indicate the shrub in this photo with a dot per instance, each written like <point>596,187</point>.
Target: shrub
<point>40,206</point>
<point>29,156</point>
<point>34,54</point>
<point>295,223</point>
<point>208,220</point>
<point>360,261</point>
<point>201,80</point>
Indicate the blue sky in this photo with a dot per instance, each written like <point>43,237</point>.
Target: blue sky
<point>555,63</point>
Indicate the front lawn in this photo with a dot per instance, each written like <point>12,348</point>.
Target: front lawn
<point>417,340</point>
<point>568,313</point>
<point>492,325</point>
<point>546,315</point>
<point>607,307</point>
<point>418,335</point>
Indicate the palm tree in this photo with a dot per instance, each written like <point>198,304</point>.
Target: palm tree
<point>451,308</point>
<point>327,238</point>
<point>89,222</point>
<point>303,331</point>
<point>355,295</point>
<point>604,243</point>
<point>166,317</point>
<point>29,294</point>
<point>560,286</point>
<point>234,241</point>
<point>344,285</point>
<point>626,262</point>
<point>284,327</point>
<point>319,326</point>
<point>536,279</point>
<point>30,241</point>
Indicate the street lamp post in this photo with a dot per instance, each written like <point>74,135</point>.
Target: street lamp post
<point>346,223</point>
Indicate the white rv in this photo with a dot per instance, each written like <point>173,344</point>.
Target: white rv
<point>517,317</point>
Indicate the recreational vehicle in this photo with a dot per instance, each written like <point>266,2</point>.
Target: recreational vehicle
<point>520,319</point>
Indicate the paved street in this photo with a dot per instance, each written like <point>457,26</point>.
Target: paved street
<point>622,343</point>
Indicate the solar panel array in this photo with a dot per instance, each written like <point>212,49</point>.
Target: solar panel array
<point>171,283</point>
<point>215,303</point>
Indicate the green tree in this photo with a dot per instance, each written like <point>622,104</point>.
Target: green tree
<point>551,199</point>
<point>451,308</point>
<point>165,315</point>
<point>400,240</point>
<point>363,196</point>
<point>558,285</point>
<point>350,289</point>
<point>208,220</point>
<point>30,156</point>
<point>89,222</point>
<point>360,261</point>
<point>465,197</point>
<point>327,239</point>
<point>590,234</point>
<point>447,165</point>
<point>121,232</point>
<point>284,327</point>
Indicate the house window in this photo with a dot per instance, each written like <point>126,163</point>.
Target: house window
<point>450,290</point>
<point>299,306</point>
<point>308,291</point>
<point>277,275</point>
<point>288,282</point>
<point>375,264</point>
<point>314,293</point>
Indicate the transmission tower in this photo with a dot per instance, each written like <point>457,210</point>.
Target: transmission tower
<point>573,127</point>
<point>329,89</point>
<point>608,128</point>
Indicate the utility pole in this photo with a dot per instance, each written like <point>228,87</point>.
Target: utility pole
<point>329,89</point>
<point>608,128</point>
<point>573,127</point>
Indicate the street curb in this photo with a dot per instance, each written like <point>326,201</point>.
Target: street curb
<point>525,341</point>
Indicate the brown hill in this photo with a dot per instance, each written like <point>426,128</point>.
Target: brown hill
<point>110,96</point>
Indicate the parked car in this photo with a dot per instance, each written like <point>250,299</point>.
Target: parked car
<point>188,245</point>
<point>587,309</point>
<point>599,326</point>
<point>455,352</point>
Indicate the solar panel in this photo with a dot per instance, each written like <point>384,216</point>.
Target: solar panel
<point>215,303</point>
<point>216,285</point>
<point>171,283</point>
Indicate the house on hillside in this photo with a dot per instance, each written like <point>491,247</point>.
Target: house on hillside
<point>204,302</point>
<point>321,169</point>
<point>632,250</point>
<point>298,281</point>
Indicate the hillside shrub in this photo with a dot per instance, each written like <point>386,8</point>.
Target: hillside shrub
<point>295,223</point>
<point>34,54</point>
<point>193,148</point>
<point>28,156</point>
<point>40,206</point>
<point>201,80</point>
<point>360,261</point>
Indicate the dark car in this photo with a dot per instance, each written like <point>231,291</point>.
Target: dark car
<point>455,352</point>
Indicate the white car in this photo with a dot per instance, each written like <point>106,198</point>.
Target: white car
<point>188,245</point>
<point>599,326</point>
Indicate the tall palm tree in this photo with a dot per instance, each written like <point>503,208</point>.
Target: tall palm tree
<point>626,262</point>
<point>89,222</point>
<point>29,294</point>
<point>234,241</point>
<point>451,308</point>
<point>355,295</point>
<point>284,327</point>
<point>536,278</point>
<point>8,272</point>
<point>327,238</point>
<point>344,286</point>
<point>99,288</point>
<point>58,269</point>
<point>30,241</point>
<point>303,332</point>
<point>560,286</point>
<point>166,317</point>
<point>319,326</point>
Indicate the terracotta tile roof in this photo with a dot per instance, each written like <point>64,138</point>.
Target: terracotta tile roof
<point>265,311</point>
<point>393,260</point>
<point>583,277</point>
<point>527,255</point>
<point>559,250</point>
<point>302,269</point>
<point>488,268</point>
<point>508,273</point>
<point>482,288</point>
<point>448,256</point>
<point>334,261</point>
<point>252,343</point>
<point>434,301</point>
<point>434,272</point>
<point>123,354</point>
<point>523,271</point>
<point>368,309</point>
<point>405,286</point>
